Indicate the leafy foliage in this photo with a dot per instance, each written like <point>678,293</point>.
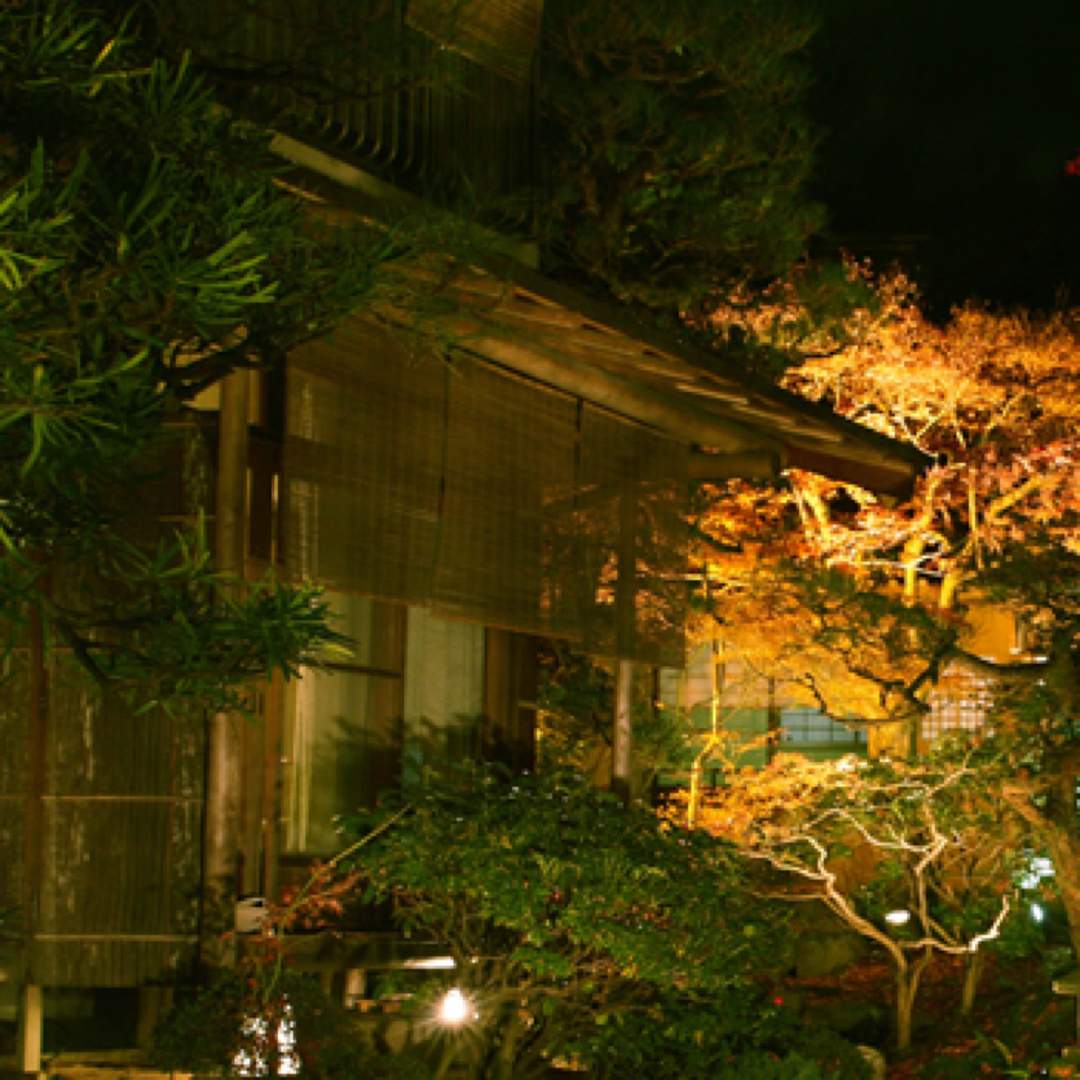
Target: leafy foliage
<point>914,857</point>
<point>162,627</point>
<point>578,926</point>
<point>676,144</point>
<point>869,610</point>
<point>673,148</point>
<point>146,251</point>
<point>576,700</point>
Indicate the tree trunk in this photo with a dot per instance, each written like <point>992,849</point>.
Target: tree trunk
<point>1065,855</point>
<point>1063,843</point>
<point>510,1033</point>
<point>905,1004</point>
<point>973,965</point>
<point>907,986</point>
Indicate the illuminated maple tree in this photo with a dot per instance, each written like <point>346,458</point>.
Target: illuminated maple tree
<point>915,858</point>
<point>869,610</point>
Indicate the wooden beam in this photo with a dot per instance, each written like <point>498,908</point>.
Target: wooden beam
<point>647,405</point>
<point>520,294</point>
<point>749,465</point>
<point>872,475</point>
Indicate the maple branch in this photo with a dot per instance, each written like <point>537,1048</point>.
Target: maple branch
<point>1007,501</point>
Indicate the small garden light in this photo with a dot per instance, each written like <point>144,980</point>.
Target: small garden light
<point>1038,867</point>
<point>455,1008</point>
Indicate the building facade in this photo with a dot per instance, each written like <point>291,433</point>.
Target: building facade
<point>529,479</point>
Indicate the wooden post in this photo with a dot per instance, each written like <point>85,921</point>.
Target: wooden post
<point>30,1013</point>
<point>222,828</point>
<point>271,799</point>
<point>773,723</point>
<point>253,739</point>
<point>31,1023</point>
<point>621,742</point>
<point>625,633</point>
<point>716,685</point>
<point>154,1003</point>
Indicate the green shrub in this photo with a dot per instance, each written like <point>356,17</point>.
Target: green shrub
<point>211,1028</point>
<point>580,928</point>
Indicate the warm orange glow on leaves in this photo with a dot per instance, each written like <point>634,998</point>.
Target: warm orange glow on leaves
<point>917,858</point>
<point>996,398</point>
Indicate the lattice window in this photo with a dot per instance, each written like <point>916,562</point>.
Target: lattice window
<point>807,727</point>
<point>961,702</point>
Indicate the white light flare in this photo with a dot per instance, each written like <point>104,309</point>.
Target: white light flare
<point>455,1008</point>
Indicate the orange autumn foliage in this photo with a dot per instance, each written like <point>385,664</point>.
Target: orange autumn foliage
<point>800,578</point>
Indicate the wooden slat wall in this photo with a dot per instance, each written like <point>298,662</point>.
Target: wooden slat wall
<point>14,759</point>
<point>378,86</point>
<point>121,822</point>
<point>101,809</point>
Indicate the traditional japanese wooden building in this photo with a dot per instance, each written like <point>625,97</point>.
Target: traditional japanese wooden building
<point>528,480</point>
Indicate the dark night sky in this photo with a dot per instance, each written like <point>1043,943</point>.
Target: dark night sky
<point>948,124</point>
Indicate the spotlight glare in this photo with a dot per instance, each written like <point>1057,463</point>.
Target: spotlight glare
<point>454,1008</point>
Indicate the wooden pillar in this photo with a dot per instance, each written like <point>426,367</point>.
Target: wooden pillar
<point>222,826</point>
<point>621,749</point>
<point>773,723</point>
<point>253,753</point>
<point>30,1012</point>
<point>31,1024</point>
<point>154,1003</point>
<point>625,634</point>
<point>273,750</point>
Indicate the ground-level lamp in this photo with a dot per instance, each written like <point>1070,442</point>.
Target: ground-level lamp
<point>455,1008</point>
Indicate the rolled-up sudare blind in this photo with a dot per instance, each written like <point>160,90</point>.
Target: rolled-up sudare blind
<point>467,489</point>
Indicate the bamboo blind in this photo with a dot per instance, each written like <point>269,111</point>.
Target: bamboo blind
<point>479,494</point>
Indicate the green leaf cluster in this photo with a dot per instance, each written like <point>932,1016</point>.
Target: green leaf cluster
<point>147,250</point>
<point>571,916</point>
<point>163,628</point>
<point>677,145</point>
